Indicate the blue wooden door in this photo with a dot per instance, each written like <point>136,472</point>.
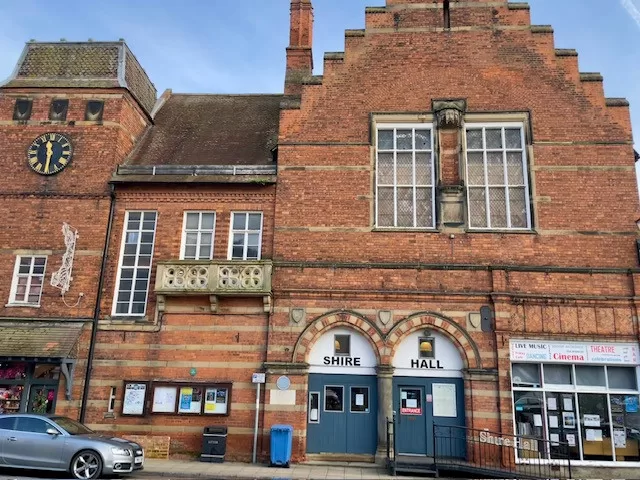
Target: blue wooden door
<point>411,420</point>
<point>342,414</point>
<point>419,415</point>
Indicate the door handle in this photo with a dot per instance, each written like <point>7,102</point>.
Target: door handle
<point>12,439</point>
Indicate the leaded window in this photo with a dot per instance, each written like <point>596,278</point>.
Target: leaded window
<point>496,173</point>
<point>405,195</point>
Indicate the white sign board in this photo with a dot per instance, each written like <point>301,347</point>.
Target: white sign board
<point>134,395</point>
<point>444,400</point>
<point>361,360</point>
<point>562,352</point>
<point>258,378</point>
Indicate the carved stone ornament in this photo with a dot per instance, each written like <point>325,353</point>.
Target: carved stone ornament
<point>449,113</point>
<point>297,315</point>
<point>384,316</point>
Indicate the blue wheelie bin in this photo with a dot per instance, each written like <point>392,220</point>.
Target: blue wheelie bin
<point>281,439</point>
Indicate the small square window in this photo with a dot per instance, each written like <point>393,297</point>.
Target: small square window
<point>94,111</point>
<point>22,110</point>
<point>342,345</point>
<point>427,347</point>
<point>58,111</point>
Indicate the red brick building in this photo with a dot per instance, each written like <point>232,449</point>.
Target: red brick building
<point>449,239</point>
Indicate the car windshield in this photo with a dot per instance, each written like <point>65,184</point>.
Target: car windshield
<point>71,426</point>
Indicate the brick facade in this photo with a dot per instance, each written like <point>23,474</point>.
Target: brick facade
<point>572,276</point>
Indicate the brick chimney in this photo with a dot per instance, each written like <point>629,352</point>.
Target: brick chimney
<point>299,54</point>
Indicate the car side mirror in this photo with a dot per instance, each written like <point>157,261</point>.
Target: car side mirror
<point>53,432</point>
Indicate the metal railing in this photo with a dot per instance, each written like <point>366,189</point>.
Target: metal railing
<point>517,456</point>
<point>482,453</point>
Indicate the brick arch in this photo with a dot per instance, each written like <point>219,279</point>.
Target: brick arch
<point>461,339</point>
<point>335,319</point>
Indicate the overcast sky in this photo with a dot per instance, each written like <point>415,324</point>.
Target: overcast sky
<point>232,46</point>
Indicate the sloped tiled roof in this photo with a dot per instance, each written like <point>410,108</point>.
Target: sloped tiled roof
<point>38,339</point>
<point>83,65</point>
<point>211,130</point>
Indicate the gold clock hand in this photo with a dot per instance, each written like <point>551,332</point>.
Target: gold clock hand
<point>49,154</point>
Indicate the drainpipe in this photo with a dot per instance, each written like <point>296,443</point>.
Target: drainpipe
<point>96,312</point>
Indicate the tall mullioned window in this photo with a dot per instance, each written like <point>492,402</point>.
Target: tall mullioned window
<point>405,194</point>
<point>134,271</point>
<point>497,181</point>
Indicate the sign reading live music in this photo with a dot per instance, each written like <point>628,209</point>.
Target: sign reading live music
<point>574,352</point>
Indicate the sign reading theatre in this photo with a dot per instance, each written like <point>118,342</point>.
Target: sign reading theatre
<point>609,353</point>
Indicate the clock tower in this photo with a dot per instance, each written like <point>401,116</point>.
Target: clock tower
<point>69,114</point>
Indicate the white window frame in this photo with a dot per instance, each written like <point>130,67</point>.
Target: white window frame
<point>406,126</point>
<point>246,233</point>
<point>30,275</point>
<point>525,169</point>
<point>199,231</point>
<point>574,390</point>
<point>135,266</point>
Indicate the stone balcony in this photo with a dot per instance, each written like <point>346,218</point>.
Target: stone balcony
<point>214,278</point>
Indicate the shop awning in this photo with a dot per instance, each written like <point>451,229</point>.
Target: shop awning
<point>38,339</point>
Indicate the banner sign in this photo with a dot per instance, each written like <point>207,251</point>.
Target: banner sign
<point>608,353</point>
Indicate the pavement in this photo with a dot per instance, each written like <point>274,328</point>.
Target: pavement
<point>228,470</point>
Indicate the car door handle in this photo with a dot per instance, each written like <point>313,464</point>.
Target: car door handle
<point>12,439</point>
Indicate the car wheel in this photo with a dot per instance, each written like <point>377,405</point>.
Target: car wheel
<point>86,464</point>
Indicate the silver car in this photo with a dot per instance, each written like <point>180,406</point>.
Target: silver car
<point>59,443</point>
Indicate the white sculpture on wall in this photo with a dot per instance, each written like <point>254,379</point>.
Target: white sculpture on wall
<point>62,278</point>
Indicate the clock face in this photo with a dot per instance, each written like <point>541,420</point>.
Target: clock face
<point>49,153</point>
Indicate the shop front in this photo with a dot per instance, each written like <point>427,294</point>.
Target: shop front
<point>580,396</point>
<point>33,361</point>
<point>343,395</point>
<point>428,392</point>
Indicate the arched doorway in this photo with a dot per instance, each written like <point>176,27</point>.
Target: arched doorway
<point>428,392</point>
<point>343,394</point>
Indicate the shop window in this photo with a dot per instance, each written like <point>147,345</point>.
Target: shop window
<point>314,407</point>
<point>427,347</point>
<point>622,378</point>
<point>359,399</point>
<point>557,374</point>
<point>497,181</point>
<point>626,427</point>
<point>186,399</point>
<point>10,398</point>
<point>42,400</point>
<point>590,376</point>
<point>134,270</point>
<point>405,177</point>
<point>342,345</point>
<point>46,372</point>
<point>334,399</point>
<point>246,236</point>
<point>197,235</point>
<point>594,424</point>
<point>525,375</point>
<point>13,371</point>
